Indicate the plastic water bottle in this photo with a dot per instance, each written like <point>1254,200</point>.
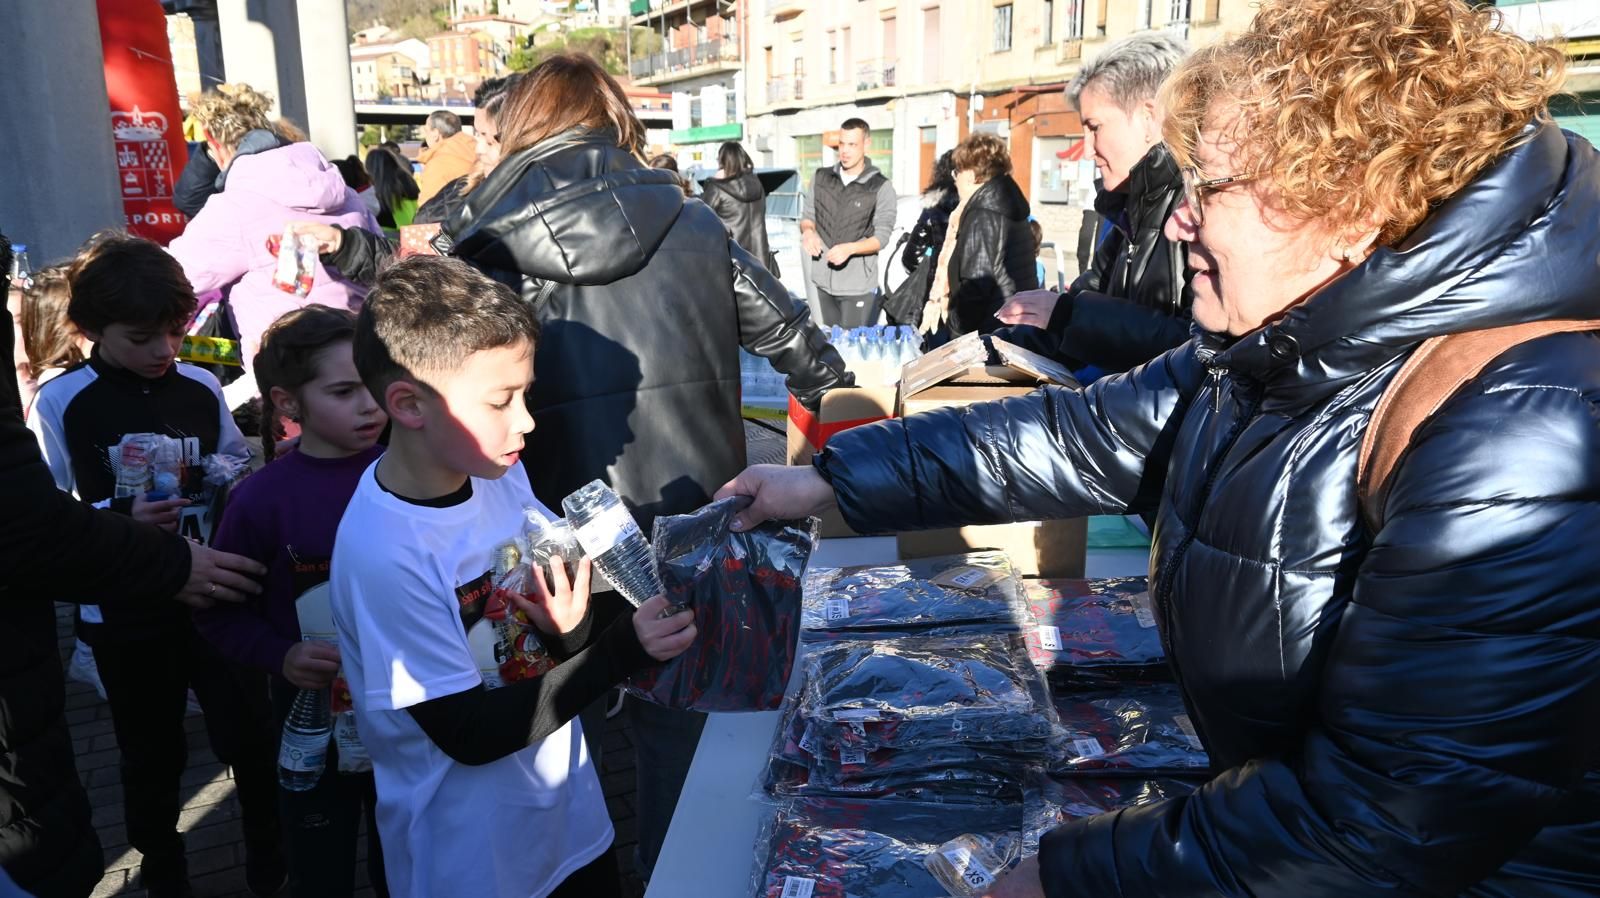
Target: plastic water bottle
<point>21,274</point>
<point>610,536</point>
<point>304,751</point>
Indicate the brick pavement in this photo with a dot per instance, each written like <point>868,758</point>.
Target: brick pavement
<point>210,815</point>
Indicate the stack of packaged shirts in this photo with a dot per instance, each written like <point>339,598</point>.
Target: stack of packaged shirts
<point>933,718</point>
<point>1087,633</point>
<point>976,590</point>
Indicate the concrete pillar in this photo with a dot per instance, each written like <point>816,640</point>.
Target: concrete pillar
<point>285,48</point>
<point>58,174</point>
<point>261,48</point>
<point>325,60</point>
<point>208,47</point>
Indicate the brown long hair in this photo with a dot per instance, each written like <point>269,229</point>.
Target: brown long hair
<point>567,91</point>
<point>48,337</point>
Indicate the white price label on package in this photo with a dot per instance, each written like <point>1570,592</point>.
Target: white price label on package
<point>1088,747</point>
<point>1143,611</point>
<point>1050,638</point>
<point>969,577</point>
<point>967,867</point>
<point>852,756</point>
<point>797,887</point>
<point>808,739</point>
<point>836,609</point>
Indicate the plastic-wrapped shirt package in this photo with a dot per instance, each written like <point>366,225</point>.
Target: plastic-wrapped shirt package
<point>977,587</point>
<point>849,848</point>
<point>745,590</point>
<point>926,718</point>
<point>1091,632</point>
<point>1139,730</point>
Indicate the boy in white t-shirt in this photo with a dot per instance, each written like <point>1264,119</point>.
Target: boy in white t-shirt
<point>488,794</point>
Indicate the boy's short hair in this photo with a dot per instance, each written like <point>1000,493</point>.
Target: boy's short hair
<point>118,278</point>
<point>426,314</point>
<point>1038,234</point>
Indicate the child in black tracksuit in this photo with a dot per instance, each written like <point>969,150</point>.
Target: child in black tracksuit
<point>133,301</point>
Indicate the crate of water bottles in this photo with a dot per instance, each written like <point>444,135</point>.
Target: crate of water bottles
<point>876,354</point>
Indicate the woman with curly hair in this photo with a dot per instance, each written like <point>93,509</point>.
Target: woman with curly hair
<point>225,246</point>
<point>1398,697</point>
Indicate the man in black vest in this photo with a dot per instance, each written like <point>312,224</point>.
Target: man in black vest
<point>849,214</point>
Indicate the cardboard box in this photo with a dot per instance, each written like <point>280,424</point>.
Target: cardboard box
<point>840,409</point>
<point>960,373</point>
<point>1048,549</point>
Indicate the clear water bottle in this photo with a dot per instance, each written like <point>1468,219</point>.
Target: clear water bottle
<point>21,274</point>
<point>610,536</point>
<point>304,751</point>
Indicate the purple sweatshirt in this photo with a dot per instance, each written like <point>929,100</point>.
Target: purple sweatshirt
<point>284,516</point>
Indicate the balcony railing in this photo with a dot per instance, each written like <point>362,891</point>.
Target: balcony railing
<point>702,54</point>
<point>875,73</point>
<point>781,90</point>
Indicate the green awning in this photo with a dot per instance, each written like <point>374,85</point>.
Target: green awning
<point>707,134</point>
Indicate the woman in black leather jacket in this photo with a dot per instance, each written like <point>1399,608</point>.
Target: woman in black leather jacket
<point>990,254</point>
<point>738,198</point>
<point>644,302</point>
<point>1409,706</point>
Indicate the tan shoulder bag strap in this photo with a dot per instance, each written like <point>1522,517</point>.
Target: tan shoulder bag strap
<point>1433,374</point>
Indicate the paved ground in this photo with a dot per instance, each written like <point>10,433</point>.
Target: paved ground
<point>210,816</point>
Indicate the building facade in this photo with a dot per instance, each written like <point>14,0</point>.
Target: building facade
<point>462,60</point>
<point>924,74</point>
<point>1578,23</point>
<point>701,66</point>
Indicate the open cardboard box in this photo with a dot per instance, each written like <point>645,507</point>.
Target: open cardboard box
<point>958,374</point>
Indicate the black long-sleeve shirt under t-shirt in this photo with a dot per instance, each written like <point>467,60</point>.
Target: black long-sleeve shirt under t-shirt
<point>480,725</point>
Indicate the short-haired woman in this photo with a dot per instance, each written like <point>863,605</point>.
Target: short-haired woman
<point>988,249</point>
<point>1400,698</point>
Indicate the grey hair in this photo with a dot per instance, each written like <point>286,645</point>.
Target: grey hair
<point>447,123</point>
<point>1132,69</point>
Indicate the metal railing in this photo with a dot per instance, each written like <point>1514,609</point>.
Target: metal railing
<point>701,54</point>
<point>783,89</point>
<point>875,73</point>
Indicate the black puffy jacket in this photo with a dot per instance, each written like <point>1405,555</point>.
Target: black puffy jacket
<point>993,258</point>
<point>54,547</point>
<point>1414,711</point>
<point>741,203</point>
<point>645,302</point>
<point>1133,302</point>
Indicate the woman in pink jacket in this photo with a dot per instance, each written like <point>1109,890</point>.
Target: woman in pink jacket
<point>226,244</point>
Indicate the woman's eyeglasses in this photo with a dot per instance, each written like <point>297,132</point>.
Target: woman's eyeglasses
<point>1196,189</point>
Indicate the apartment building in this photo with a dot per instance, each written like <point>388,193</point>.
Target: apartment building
<point>925,73</point>
<point>462,60</point>
<point>701,66</point>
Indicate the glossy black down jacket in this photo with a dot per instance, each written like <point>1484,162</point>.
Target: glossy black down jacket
<point>645,303</point>
<point>993,258</point>
<point>1414,711</point>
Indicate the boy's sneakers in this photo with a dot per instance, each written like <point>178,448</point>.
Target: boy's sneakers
<point>83,669</point>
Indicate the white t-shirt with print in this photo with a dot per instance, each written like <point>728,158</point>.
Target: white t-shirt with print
<point>404,577</point>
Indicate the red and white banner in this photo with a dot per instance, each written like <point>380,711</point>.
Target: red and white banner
<point>144,116</point>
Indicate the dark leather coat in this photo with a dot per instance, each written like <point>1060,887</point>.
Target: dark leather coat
<point>1133,302</point>
<point>993,258</point>
<point>1412,711</point>
<point>645,302</point>
<point>741,203</point>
